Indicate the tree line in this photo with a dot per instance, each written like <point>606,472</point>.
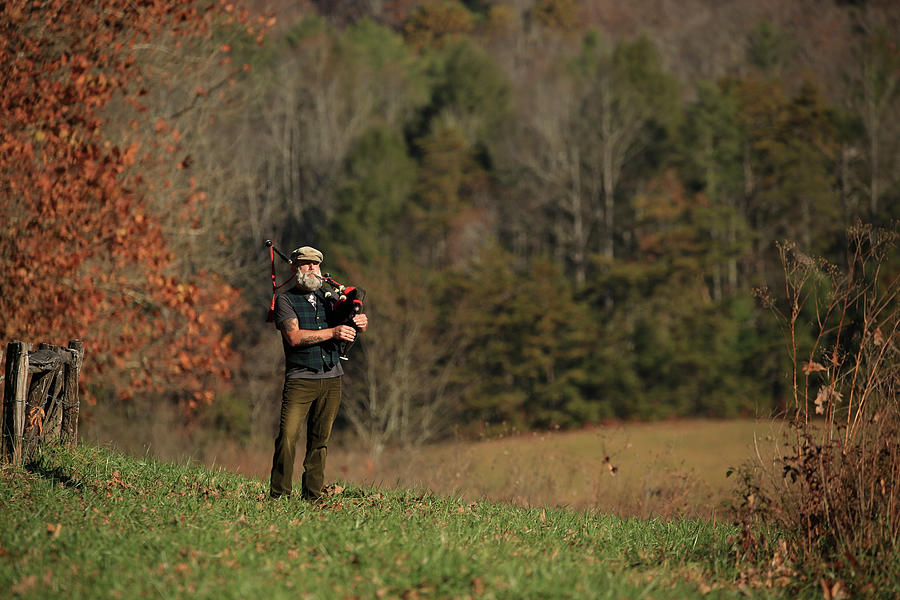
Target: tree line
<point>555,225</point>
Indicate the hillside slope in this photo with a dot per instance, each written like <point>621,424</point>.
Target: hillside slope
<point>94,523</point>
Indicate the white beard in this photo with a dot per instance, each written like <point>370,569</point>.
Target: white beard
<point>308,282</point>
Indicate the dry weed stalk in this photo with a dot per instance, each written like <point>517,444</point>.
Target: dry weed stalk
<point>833,494</point>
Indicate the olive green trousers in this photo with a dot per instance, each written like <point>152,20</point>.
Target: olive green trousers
<point>316,402</point>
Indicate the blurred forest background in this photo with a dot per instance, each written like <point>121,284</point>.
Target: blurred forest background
<point>559,209</point>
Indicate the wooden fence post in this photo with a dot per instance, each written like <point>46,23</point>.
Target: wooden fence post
<point>14,392</point>
<point>70,403</point>
<point>41,401</point>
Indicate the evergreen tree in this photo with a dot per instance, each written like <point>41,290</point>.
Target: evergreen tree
<point>710,164</point>
<point>525,342</point>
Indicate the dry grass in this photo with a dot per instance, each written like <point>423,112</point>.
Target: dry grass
<point>664,469</point>
<point>667,469</point>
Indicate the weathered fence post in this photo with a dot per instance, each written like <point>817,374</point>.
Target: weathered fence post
<point>14,392</point>
<point>44,410</point>
<point>70,403</point>
<point>43,394</point>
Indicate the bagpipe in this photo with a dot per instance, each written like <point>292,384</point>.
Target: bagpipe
<point>344,301</point>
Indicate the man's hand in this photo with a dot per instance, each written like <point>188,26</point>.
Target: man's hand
<point>344,333</point>
<point>361,321</point>
<point>308,337</point>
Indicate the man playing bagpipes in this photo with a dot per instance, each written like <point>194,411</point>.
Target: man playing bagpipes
<point>314,325</point>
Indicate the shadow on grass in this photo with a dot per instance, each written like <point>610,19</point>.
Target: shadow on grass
<point>54,474</point>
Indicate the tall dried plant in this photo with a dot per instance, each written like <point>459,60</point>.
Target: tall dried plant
<point>831,496</point>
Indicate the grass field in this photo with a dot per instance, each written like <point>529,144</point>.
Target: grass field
<point>99,524</point>
<point>675,468</point>
<point>665,469</point>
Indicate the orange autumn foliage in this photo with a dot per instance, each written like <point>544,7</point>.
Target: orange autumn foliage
<point>81,253</point>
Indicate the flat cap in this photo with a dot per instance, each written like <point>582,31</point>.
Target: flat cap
<point>306,253</point>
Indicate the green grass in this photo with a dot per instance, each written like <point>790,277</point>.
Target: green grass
<point>93,523</point>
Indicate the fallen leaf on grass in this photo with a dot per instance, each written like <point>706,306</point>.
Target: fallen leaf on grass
<point>54,530</point>
<point>333,490</point>
<point>833,591</point>
<point>463,509</point>
<point>477,586</point>
<point>24,584</point>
